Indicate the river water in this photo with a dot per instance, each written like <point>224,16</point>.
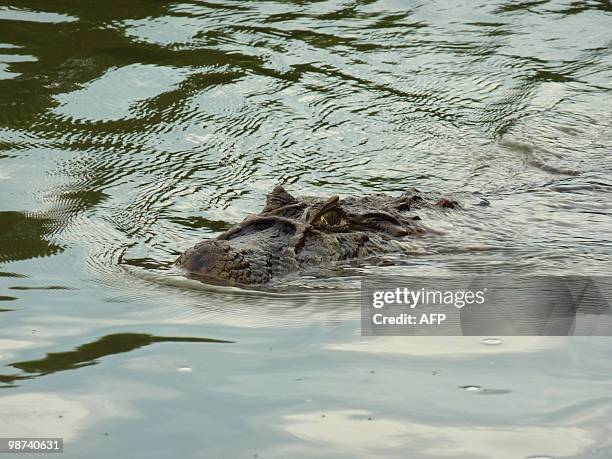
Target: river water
<point>131,130</point>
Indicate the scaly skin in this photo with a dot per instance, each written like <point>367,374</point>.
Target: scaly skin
<point>305,233</point>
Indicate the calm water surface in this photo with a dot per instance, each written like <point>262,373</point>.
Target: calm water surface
<point>131,130</point>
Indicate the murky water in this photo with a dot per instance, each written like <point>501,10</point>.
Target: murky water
<point>131,130</point>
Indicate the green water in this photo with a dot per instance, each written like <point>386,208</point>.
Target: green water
<point>129,131</point>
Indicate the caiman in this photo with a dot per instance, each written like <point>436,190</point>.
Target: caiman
<point>305,234</point>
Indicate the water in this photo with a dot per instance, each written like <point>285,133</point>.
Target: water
<point>131,130</point>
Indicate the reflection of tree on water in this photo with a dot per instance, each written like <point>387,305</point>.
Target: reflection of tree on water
<point>68,55</point>
<point>88,354</point>
<point>23,237</point>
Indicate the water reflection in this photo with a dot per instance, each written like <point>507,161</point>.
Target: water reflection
<point>346,432</point>
<point>25,236</point>
<point>88,354</point>
<point>177,113</point>
<point>8,13</point>
<point>129,131</point>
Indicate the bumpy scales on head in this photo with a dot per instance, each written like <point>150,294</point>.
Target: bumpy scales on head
<point>300,234</point>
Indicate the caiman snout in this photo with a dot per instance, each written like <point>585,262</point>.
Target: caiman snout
<point>217,260</point>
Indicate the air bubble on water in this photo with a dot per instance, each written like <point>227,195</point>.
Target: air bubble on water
<point>184,369</point>
<point>492,341</point>
<point>471,388</point>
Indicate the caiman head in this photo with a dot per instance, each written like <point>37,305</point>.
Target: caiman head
<point>302,233</point>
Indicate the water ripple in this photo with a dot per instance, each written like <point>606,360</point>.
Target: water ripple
<point>173,122</point>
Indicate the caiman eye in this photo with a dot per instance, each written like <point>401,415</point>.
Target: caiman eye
<point>331,217</point>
